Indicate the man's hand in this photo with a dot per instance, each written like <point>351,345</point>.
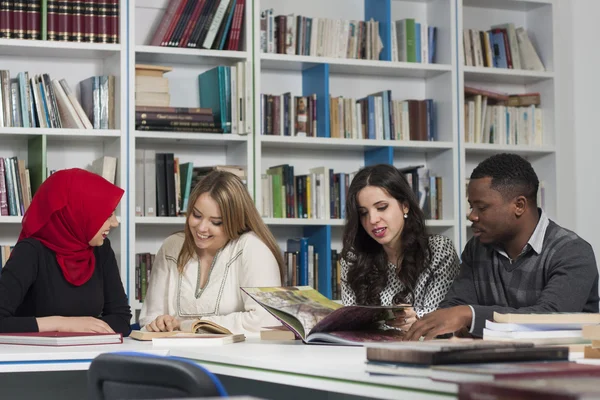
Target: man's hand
<point>404,319</point>
<point>446,320</point>
<point>163,323</point>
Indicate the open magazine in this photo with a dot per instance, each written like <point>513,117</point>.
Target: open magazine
<point>316,319</point>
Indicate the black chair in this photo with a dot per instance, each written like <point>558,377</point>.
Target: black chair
<point>130,375</point>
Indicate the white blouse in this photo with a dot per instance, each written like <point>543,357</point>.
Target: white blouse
<point>245,262</point>
<point>431,286</point>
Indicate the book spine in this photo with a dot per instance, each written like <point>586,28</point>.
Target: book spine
<point>3,193</point>
<point>189,28</point>
<point>173,24</point>
<point>33,21</point>
<point>5,19</point>
<point>89,21</point>
<point>161,188</point>
<point>52,20</point>
<point>64,20</point>
<point>165,22</point>
<point>103,9</point>
<point>163,128</point>
<point>19,7</point>
<point>159,117</point>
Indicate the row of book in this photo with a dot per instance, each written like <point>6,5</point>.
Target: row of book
<point>61,20</point>
<point>413,41</point>
<point>15,187</point>
<point>5,251</point>
<point>319,194</point>
<point>502,46</point>
<point>163,184</point>
<point>143,269</point>
<point>176,119</point>
<point>498,118</point>
<point>207,24</point>
<point>43,102</point>
<point>376,116</point>
<point>427,189</point>
<point>321,37</point>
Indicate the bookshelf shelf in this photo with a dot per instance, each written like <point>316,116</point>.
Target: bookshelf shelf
<point>490,149</point>
<point>284,62</point>
<point>10,220</point>
<point>276,142</point>
<point>503,75</point>
<point>189,137</point>
<point>160,220</point>
<point>79,134</point>
<point>176,55</point>
<point>303,222</point>
<point>52,49</point>
<point>513,5</point>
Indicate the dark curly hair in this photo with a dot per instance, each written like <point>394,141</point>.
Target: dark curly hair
<point>512,176</point>
<point>367,260</point>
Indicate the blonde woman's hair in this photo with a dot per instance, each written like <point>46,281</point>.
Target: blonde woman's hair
<point>237,210</point>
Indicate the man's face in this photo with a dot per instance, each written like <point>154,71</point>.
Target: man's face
<point>493,216</point>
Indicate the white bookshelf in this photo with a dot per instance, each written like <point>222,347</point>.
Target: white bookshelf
<point>146,234</point>
<point>538,18</point>
<point>68,148</point>
<point>449,157</point>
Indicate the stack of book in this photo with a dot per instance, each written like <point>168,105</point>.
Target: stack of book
<point>98,100</point>
<point>543,329</point>
<point>15,187</point>
<point>151,87</point>
<point>592,332</point>
<point>175,119</point>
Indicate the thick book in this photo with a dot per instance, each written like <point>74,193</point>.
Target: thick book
<point>462,351</point>
<point>318,320</point>
<point>554,388</point>
<point>499,371</point>
<point>60,338</point>
<point>548,318</point>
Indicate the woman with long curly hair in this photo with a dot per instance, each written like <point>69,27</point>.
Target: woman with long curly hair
<point>388,258</point>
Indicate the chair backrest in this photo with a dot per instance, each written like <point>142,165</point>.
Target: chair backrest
<point>129,375</point>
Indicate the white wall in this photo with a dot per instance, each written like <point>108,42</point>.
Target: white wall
<point>586,124</point>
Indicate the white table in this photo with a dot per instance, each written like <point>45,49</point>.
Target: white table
<point>268,367</point>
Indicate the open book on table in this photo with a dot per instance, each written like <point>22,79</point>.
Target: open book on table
<point>316,319</point>
<point>190,329</point>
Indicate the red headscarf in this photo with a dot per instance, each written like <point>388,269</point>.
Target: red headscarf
<point>66,212</point>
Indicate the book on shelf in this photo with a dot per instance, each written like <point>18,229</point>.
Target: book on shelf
<point>318,320</point>
<point>15,187</point>
<point>500,371</point>
<point>60,338</point>
<point>72,21</point>
<point>502,46</point>
<point>106,167</point>
<point>321,37</point>
<point>555,388</point>
<point>98,100</point>
<point>413,41</point>
<point>216,24</point>
<point>5,251</point>
<point>151,86</point>
<point>462,351</point>
<point>499,118</point>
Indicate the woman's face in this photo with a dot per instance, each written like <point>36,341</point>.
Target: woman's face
<point>110,223</point>
<point>381,215</point>
<point>206,225</point>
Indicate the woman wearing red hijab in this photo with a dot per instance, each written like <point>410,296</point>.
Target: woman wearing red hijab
<point>62,274</point>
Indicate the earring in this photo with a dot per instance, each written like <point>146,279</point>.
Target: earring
<point>405,215</point>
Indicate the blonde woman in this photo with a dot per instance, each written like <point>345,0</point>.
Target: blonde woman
<point>198,273</point>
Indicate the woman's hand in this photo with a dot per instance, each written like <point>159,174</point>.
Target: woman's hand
<point>73,324</point>
<point>163,323</point>
<point>404,319</point>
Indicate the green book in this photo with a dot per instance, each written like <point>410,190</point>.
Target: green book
<point>37,161</point>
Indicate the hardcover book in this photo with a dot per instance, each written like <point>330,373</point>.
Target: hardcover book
<point>318,320</point>
<point>60,338</point>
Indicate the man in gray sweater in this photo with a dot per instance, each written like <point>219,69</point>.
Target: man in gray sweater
<point>518,260</point>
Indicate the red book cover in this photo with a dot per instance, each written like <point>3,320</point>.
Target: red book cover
<point>52,22</point>
<point>233,42</point>
<point>173,23</point>
<point>5,19</point>
<point>89,21</point>
<point>60,338</point>
<point>77,27</point>
<point>18,19</point>
<point>32,20</point>
<point>113,20</point>
<point>101,16</point>
<point>165,22</point>
<point>64,20</point>
<point>191,23</point>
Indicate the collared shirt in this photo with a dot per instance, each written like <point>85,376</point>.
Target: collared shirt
<point>536,241</point>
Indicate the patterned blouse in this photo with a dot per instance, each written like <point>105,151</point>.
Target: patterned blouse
<point>429,290</point>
